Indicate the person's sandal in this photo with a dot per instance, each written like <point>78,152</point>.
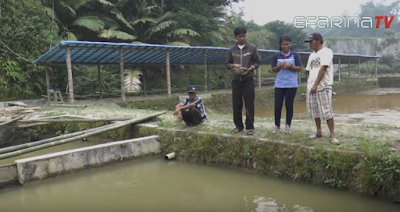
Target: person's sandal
<point>312,137</point>
<point>250,132</point>
<point>236,131</point>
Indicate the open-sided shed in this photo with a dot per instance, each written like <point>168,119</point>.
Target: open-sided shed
<point>128,54</point>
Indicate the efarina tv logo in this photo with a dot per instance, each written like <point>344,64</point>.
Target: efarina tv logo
<point>324,22</point>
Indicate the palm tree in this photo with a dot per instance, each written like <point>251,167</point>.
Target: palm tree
<point>152,25</point>
<point>76,17</point>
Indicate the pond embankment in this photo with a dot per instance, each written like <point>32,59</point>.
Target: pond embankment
<point>366,162</point>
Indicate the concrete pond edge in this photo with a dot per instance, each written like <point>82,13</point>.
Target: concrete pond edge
<point>60,163</point>
<point>365,174</point>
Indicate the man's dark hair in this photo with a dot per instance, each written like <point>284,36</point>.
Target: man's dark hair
<point>240,30</point>
<point>220,77</point>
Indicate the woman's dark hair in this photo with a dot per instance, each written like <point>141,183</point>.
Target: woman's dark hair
<point>284,38</point>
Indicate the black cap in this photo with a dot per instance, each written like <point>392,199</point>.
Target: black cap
<point>313,36</point>
<point>191,89</point>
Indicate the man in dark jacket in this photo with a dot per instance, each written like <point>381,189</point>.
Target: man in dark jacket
<point>243,55</point>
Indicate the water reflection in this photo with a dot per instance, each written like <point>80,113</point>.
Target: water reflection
<point>345,104</point>
<point>270,205</point>
<point>158,185</point>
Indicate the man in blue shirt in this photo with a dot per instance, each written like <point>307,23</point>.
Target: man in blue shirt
<point>191,110</point>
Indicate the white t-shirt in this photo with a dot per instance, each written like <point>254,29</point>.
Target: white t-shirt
<point>323,57</point>
<point>241,46</point>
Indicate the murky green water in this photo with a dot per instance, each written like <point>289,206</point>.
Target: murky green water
<point>344,104</point>
<point>94,140</point>
<point>157,185</point>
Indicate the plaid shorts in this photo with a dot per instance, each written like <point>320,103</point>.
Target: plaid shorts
<point>319,104</point>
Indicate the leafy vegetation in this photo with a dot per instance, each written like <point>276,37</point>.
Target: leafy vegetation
<point>29,28</point>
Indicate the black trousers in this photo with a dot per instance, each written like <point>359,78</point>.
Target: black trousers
<point>243,90</point>
<point>287,94</point>
<point>192,117</point>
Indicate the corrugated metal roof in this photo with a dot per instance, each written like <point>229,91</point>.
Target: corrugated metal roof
<point>106,53</point>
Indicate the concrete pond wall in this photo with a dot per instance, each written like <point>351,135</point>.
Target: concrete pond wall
<point>389,82</point>
<point>222,102</point>
<point>59,163</point>
<point>371,175</point>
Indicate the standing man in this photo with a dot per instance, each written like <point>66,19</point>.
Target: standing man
<point>319,86</point>
<point>243,55</point>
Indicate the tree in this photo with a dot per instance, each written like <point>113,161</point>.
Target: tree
<point>280,28</point>
<point>26,33</point>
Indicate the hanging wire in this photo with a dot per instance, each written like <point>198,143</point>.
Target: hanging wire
<point>15,52</point>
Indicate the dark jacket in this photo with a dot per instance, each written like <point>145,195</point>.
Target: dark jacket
<point>247,57</point>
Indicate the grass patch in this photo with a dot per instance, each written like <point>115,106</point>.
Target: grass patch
<point>352,137</point>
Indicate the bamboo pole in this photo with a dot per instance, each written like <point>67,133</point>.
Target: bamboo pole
<point>122,74</point>
<point>84,135</point>
<point>11,121</point>
<point>68,105</point>
<point>99,79</point>
<point>47,84</point>
<point>73,120</point>
<point>69,72</point>
<point>20,126</point>
<point>339,66</point>
<point>31,144</point>
<point>205,72</point>
<point>168,73</point>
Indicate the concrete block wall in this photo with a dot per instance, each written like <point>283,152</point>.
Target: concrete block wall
<point>59,163</point>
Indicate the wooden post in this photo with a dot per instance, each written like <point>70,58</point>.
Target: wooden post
<point>259,75</point>
<point>179,78</point>
<point>339,69</point>
<point>122,72</point>
<point>205,72</point>
<point>48,84</point>
<point>367,71</point>
<point>99,78</point>
<point>359,68</point>
<point>168,74</point>
<point>348,67</point>
<point>144,82</point>
<point>376,67</point>
<point>69,72</point>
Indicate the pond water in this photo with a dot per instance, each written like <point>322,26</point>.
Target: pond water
<point>344,104</point>
<point>157,185</point>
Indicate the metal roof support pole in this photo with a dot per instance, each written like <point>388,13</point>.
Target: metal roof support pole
<point>122,72</point>
<point>69,72</point>
<point>359,68</point>
<point>168,72</point>
<point>376,67</point>
<point>205,72</point>
<point>259,74</point>
<point>99,79</point>
<point>339,69</point>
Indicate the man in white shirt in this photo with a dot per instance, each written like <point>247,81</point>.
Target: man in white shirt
<point>319,86</point>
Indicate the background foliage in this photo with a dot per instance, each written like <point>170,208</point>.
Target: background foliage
<point>30,27</point>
